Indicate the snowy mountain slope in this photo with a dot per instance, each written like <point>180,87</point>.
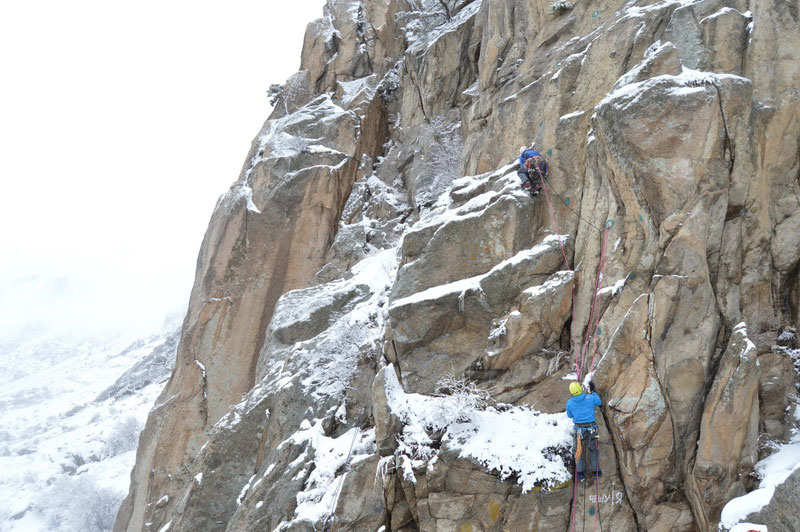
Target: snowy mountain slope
<point>68,430</point>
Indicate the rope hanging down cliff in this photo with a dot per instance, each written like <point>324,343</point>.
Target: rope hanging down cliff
<point>581,355</point>
<point>594,317</point>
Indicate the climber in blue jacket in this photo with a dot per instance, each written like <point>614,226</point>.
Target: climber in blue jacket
<point>532,169</point>
<point>580,408</point>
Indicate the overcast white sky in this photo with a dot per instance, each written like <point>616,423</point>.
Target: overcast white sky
<point>121,123</point>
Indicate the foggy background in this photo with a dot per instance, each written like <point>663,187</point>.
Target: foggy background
<point>120,125</point>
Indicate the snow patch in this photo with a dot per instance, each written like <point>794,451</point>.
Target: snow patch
<point>571,115</point>
<point>498,331</point>
<point>773,471</point>
<point>330,455</point>
<point>473,90</point>
<point>688,82</point>
<point>274,142</point>
<point>555,281</point>
<point>243,493</point>
<point>527,448</point>
<point>463,285</point>
<point>325,363</point>
<point>613,289</point>
<point>352,89</point>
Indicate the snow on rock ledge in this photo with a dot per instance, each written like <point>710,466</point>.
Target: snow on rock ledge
<point>511,441</point>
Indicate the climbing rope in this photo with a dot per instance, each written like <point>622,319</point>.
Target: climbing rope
<point>565,202</point>
<point>597,483</point>
<point>591,334</point>
<point>563,252</point>
<point>553,219</point>
<point>338,490</point>
<point>581,355</point>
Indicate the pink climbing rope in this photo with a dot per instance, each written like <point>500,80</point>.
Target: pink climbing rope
<point>563,252</point>
<point>580,354</point>
<point>566,262</point>
<point>553,219</point>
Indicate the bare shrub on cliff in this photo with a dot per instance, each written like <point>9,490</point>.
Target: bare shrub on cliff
<point>123,437</point>
<point>461,397</point>
<point>79,504</point>
<point>442,158</point>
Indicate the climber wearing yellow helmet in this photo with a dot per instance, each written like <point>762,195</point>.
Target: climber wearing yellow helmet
<point>580,408</point>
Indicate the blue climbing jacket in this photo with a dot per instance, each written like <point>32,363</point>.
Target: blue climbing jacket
<point>581,407</point>
<point>527,154</point>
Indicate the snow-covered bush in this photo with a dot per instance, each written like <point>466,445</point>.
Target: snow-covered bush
<point>390,83</point>
<point>787,345</point>
<point>274,93</point>
<point>557,357</point>
<point>335,365</point>
<point>419,18</point>
<point>123,437</point>
<point>79,504</point>
<point>559,7</point>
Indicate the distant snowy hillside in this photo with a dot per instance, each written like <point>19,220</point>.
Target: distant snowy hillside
<point>70,415</point>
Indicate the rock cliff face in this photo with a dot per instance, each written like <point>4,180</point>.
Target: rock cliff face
<point>375,290</point>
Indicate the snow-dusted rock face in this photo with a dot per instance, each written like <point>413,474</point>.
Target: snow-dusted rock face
<point>382,321</point>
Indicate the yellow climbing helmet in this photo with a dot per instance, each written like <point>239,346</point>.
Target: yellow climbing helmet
<point>575,388</point>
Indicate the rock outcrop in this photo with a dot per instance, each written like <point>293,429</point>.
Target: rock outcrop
<point>377,251</point>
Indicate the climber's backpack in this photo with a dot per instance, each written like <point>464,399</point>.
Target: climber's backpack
<point>537,167</point>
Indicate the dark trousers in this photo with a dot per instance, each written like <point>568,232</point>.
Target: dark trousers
<point>530,175</point>
<point>589,462</point>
